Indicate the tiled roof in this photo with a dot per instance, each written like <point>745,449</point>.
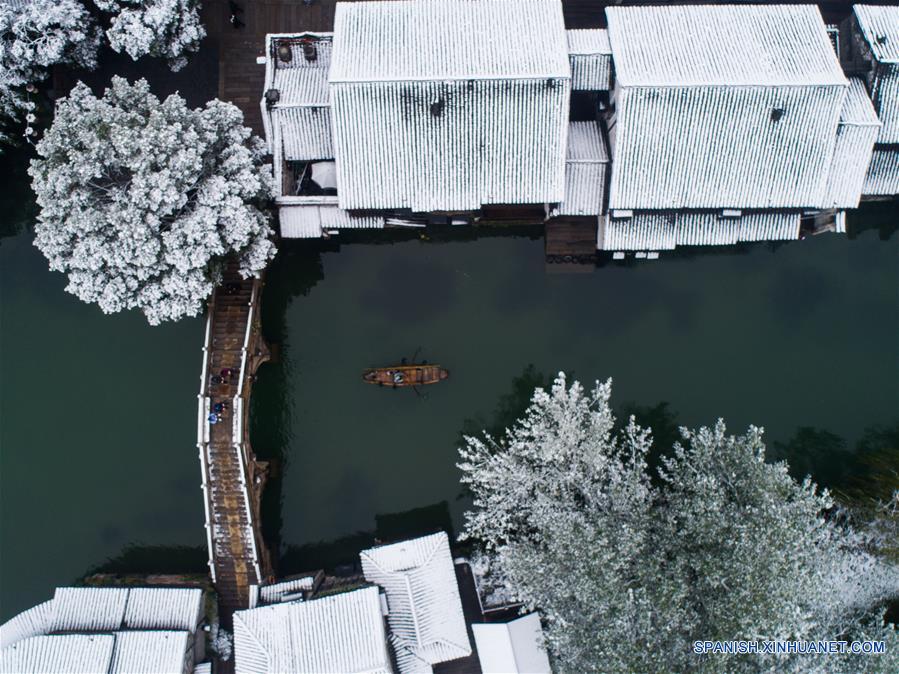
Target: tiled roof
<point>59,654</point>
<point>665,231</point>
<point>156,652</point>
<point>339,633</point>
<point>88,609</point>
<point>882,178</point>
<point>443,40</point>
<point>880,27</point>
<point>299,123</point>
<point>441,105</point>
<point>725,45</point>
<point>108,609</point>
<point>586,171</point>
<point>33,622</point>
<point>425,611</point>
<point>856,135</point>
<point>724,147</point>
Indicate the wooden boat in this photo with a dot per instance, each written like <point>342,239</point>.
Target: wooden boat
<point>397,376</point>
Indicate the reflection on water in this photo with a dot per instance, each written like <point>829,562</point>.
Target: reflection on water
<point>789,336</point>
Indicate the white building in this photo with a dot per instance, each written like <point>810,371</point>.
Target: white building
<point>94,629</point>
<point>514,647</point>
<point>443,106</point>
<point>425,615</point>
<point>409,619</point>
<point>340,633</point>
<point>714,124</point>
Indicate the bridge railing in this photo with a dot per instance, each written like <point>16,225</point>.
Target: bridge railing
<point>238,430</point>
<point>203,406</point>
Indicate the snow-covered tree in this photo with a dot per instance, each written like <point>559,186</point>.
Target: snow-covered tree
<point>165,28</point>
<point>36,35</point>
<point>142,200</point>
<point>628,572</point>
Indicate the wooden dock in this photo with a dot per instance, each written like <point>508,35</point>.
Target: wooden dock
<point>232,477</point>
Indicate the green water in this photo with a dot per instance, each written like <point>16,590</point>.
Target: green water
<point>97,432</point>
<point>97,424</point>
<point>798,335</point>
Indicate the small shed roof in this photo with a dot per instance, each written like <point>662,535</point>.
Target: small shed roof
<point>422,596</point>
<point>274,592</point>
<point>588,41</point>
<point>443,40</point>
<point>880,27</point>
<point>515,646</point>
<point>725,45</point>
<point>339,633</point>
<point>586,171</point>
<point>585,143</point>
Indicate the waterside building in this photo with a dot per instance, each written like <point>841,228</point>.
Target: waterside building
<point>705,124</point>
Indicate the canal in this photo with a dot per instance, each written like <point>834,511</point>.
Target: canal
<point>98,467</point>
<point>801,338</point>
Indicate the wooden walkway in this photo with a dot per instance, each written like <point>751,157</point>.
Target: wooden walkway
<point>240,78</point>
<point>232,477</point>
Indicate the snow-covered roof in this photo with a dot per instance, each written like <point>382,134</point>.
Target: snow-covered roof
<point>857,108</point>
<point>107,609</point>
<point>880,28</point>
<point>298,125</point>
<point>723,107</point>
<point>724,147</point>
<point>882,178</point>
<point>163,608</point>
<point>585,143</point>
<point>308,217</point>
<point>150,652</point>
<point>59,654</point>
<point>158,652</point>
<point>338,633</point>
<point>664,231</point>
<point>133,630</point>
<point>590,56</point>
<point>425,611</point>
<point>512,647</point>
<point>33,622</point>
<point>724,45</point>
<point>586,170</point>
<point>441,40</point>
<point>588,41</point>
<point>88,609</point>
<point>441,105</point>
<point>275,592</point>
<point>304,79</point>
<point>856,135</point>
